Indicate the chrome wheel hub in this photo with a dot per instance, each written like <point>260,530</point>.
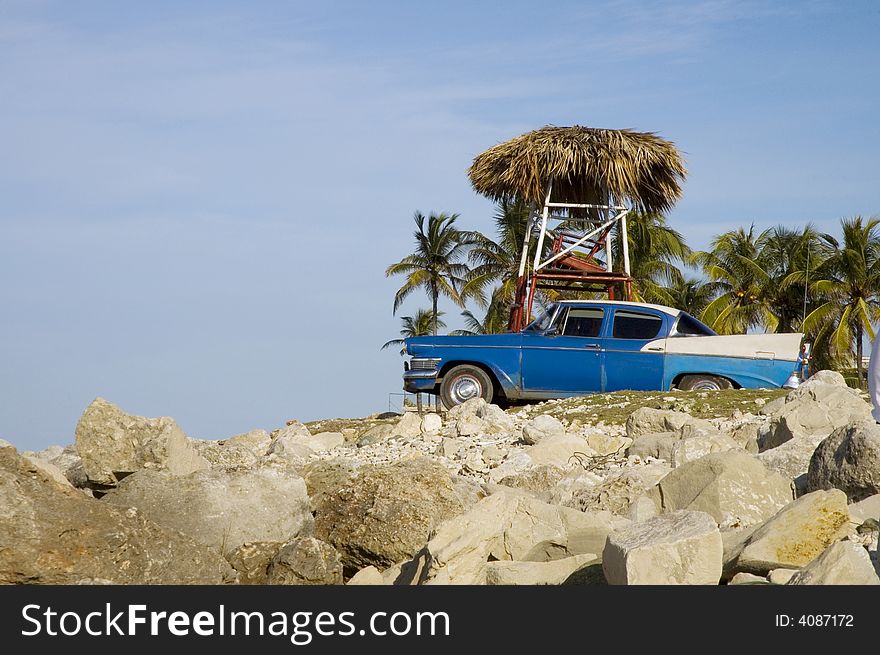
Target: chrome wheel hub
<point>465,388</point>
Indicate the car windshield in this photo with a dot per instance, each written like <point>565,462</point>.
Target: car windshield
<point>541,323</point>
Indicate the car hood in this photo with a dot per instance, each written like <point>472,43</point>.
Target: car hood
<point>424,345</point>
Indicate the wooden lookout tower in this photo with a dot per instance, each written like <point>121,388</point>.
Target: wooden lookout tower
<point>580,183</point>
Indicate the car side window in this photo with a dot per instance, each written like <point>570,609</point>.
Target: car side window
<point>688,326</point>
<point>583,322</point>
<point>635,325</point>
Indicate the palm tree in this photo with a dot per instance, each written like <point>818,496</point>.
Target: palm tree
<point>690,295</point>
<point>792,259</point>
<point>495,320</point>
<point>656,254</point>
<point>734,264</point>
<point>422,324</point>
<point>436,264</point>
<point>498,261</point>
<point>850,286</point>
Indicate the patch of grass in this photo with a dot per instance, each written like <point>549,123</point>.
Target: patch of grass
<point>340,424</point>
<point>615,408</point>
<point>609,408</point>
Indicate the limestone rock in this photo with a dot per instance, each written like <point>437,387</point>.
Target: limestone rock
<point>251,561</point>
<point>747,578</point>
<point>256,441</point>
<point>824,377</point>
<point>409,425</point>
<point>497,419</point>
<point>849,459</point>
<point>733,487</point>
<point>734,540</point>
<point>386,513</point>
<point>53,534</point>
<point>324,477</point>
<point>842,563</point>
<point>869,508</point>
<point>476,416</point>
<point>796,534</point>
<point>681,547</point>
<point>647,420</point>
<point>541,427</point>
<point>746,435</point>
<point>792,459</point>
<point>618,491</point>
<point>291,448</point>
<point>605,444</point>
<point>492,454</point>
<point>306,561</point>
<point>562,450</point>
<point>658,445</point>
<point>772,407</point>
<point>369,575</point>
<point>554,572</point>
<point>326,441</point>
<point>815,408</point>
<point>223,455</point>
<point>221,509</point>
<point>450,447</point>
<point>470,425</point>
<point>431,423</point>
<point>779,576</point>
<point>642,509</point>
<point>509,527</point>
<point>66,459</point>
<point>375,434</point>
<point>292,429</point>
<point>536,479</point>
<point>689,449</point>
<point>113,444</point>
<point>49,469</point>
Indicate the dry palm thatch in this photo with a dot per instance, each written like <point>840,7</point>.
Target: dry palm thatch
<point>585,165</point>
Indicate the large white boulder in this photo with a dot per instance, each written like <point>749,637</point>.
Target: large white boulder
<point>509,527</point>
<point>563,450</point>
<point>541,427</point>
<point>797,534</point>
<point>842,563</point>
<point>221,509</point>
<point>733,487</point>
<point>681,547</point>
<point>849,459</point>
<point>816,408</point>
<point>553,572</point>
<point>113,444</point>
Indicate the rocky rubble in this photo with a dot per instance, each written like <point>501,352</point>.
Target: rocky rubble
<point>53,534</point>
<point>731,487</point>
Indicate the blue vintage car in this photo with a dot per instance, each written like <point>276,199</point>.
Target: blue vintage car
<point>581,347</point>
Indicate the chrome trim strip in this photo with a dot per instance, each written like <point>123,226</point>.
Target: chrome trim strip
<point>746,358</point>
<point>419,374</point>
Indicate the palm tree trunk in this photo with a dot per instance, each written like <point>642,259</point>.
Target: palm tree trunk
<point>434,294</point>
<point>859,334</point>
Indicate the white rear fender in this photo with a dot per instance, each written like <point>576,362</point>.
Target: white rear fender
<point>784,347</point>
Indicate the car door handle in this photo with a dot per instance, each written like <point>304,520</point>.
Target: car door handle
<point>592,346</point>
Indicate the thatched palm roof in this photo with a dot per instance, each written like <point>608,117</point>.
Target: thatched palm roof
<point>585,164</point>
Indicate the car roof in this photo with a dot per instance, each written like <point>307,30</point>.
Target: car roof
<point>623,303</point>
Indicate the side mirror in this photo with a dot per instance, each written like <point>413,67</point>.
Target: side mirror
<point>551,332</point>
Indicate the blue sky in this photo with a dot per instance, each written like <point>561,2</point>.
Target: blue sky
<point>198,200</point>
